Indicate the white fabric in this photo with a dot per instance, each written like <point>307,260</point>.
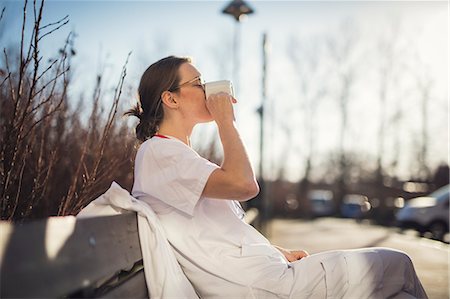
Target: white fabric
<point>163,274</point>
<point>224,257</point>
<point>170,177</point>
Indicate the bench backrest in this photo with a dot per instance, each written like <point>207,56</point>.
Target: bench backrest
<point>73,258</point>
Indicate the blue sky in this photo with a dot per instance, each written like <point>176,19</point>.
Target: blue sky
<point>108,30</point>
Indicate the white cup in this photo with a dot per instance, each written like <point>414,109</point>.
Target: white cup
<point>219,86</point>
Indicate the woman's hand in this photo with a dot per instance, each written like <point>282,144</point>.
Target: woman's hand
<point>220,107</point>
<point>295,255</point>
<point>292,255</point>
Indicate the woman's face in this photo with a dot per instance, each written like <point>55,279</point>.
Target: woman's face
<point>191,95</point>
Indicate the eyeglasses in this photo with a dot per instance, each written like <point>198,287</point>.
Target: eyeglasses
<point>201,84</point>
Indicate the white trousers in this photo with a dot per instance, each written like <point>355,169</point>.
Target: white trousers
<point>376,273</point>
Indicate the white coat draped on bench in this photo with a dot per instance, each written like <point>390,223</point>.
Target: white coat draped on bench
<point>163,274</point>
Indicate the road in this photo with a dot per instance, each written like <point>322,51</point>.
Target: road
<point>430,258</point>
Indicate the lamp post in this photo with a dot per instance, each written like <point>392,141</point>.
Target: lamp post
<point>265,202</point>
<point>238,9</point>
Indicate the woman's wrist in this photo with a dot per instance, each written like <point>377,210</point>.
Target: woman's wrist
<point>225,123</point>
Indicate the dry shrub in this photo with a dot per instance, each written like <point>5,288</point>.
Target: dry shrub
<point>50,162</point>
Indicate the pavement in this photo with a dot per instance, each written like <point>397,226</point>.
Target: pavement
<point>430,258</point>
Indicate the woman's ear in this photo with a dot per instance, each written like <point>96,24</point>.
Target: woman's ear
<point>168,98</point>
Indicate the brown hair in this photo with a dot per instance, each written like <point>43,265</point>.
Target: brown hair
<point>157,78</point>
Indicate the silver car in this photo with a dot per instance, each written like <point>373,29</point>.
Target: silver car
<point>427,214</point>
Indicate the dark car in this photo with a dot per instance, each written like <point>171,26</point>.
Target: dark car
<point>355,206</point>
<point>321,202</point>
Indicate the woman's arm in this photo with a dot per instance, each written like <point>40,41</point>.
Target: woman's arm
<point>235,178</point>
<point>292,255</point>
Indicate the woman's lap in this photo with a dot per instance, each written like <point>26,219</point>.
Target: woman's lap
<point>357,273</point>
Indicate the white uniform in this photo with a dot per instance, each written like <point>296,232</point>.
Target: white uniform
<point>225,257</point>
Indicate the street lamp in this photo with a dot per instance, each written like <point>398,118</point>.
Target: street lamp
<point>264,187</point>
<point>238,9</point>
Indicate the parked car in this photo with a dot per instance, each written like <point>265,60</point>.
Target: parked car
<point>321,202</point>
<point>427,214</point>
<point>355,206</point>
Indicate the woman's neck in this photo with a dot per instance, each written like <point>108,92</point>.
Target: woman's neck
<point>177,130</point>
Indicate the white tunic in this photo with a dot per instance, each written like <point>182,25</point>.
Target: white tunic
<point>225,257</point>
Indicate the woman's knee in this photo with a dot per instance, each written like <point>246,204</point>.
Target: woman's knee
<point>394,254</point>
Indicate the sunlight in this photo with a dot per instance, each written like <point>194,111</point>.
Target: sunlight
<point>57,232</point>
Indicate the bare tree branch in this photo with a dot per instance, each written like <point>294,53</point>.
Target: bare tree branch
<point>19,187</point>
<point>53,30</point>
<point>55,23</point>
<point>58,106</point>
<point>11,87</point>
<point>112,114</point>
<point>1,15</point>
<point>47,69</point>
<point>48,83</point>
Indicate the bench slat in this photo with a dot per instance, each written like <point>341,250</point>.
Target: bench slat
<point>58,255</point>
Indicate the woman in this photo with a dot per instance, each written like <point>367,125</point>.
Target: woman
<point>198,205</point>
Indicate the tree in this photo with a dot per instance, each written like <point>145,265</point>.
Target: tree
<point>305,56</point>
<point>342,50</point>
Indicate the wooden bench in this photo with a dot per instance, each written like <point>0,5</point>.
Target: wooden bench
<point>74,258</point>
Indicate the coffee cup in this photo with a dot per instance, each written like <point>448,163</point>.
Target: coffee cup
<point>219,86</point>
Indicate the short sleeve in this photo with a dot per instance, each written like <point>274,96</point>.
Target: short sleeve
<point>171,172</point>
